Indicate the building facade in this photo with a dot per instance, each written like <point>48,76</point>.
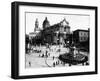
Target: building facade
<point>80,36</point>
<point>35,36</point>
<point>81,39</point>
<point>57,33</point>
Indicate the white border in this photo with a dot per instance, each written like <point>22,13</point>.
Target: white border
<point>38,71</point>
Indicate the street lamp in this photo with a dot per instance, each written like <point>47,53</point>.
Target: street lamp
<point>57,32</point>
<point>58,39</point>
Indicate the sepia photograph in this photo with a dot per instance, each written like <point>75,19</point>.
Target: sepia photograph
<point>56,40</point>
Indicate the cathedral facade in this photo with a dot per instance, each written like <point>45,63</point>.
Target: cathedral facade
<point>56,34</point>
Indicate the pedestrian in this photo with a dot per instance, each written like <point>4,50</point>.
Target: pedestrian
<point>53,57</point>
<point>69,64</point>
<point>61,62</point>
<point>53,64</point>
<point>49,54</point>
<point>56,63</point>
<point>42,55</point>
<point>29,64</point>
<point>46,53</point>
<point>83,63</point>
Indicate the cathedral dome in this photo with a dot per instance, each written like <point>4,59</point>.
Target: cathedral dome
<point>46,23</point>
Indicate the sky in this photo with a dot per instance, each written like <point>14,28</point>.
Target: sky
<point>75,21</point>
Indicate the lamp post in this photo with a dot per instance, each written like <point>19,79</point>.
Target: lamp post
<point>57,32</point>
<point>64,37</point>
<point>58,39</point>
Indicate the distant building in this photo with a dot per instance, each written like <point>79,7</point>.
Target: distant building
<point>36,29</point>
<point>33,36</point>
<point>80,36</point>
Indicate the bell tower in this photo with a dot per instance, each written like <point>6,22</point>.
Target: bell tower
<point>36,25</point>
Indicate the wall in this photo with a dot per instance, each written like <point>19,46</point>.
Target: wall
<point>5,42</point>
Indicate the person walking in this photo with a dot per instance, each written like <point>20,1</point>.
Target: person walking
<point>53,57</point>
<point>53,64</point>
<point>56,63</point>
<point>29,64</point>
